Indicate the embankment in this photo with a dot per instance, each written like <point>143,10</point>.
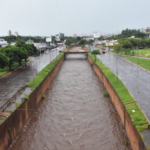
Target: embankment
<point>124,104</point>
<point>10,128</point>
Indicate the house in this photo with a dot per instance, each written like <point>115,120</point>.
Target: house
<point>3,43</point>
<point>111,43</point>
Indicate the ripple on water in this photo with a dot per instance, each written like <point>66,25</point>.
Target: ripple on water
<point>74,116</point>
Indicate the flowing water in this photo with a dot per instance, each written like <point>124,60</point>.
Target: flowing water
<point>74,115</point>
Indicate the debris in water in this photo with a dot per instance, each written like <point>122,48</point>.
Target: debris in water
<point>79,137</point>
<point>88,124</point>
<point>63,134</point>
<point>82,145</point>
<point>70,142</point>
<point>72,119</point>
<point>75,131</point>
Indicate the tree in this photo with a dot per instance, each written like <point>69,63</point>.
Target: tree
<point>117,47</point>
<point>126,44</point>
<point>10,53</point>
<point>31,49</point>
<point>95,52</point>
<point>147,42</point>
<point>21,53</point>
<point>3,60</point>
<point>89,43</point>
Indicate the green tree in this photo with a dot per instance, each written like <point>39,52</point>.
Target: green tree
<point>95,52</point>
<point>21,53</point>
<point>117,47</point>
<point>10,53</point>
<point>126,44</point>
<point>90,43</point>
<point>3,60</point>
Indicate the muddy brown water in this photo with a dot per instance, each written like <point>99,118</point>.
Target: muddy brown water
<point>74,116</point>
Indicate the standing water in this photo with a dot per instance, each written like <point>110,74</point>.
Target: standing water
<point>74,115</point>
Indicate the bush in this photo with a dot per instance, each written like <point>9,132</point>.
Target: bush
<point>106,95</point>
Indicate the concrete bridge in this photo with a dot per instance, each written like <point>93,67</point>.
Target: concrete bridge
<point>74,52</point>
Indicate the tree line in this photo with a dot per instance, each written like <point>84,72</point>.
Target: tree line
<point>126,34</point>
<point>13,38</point>
<point>132,43</point>
<point>16,53</point>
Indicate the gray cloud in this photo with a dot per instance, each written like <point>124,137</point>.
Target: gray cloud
<point>48,17</point>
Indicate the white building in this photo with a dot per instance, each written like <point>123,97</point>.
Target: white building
<point>9,33</point>
<point>96,35</point>
<point>16,33</point>
<point>57,37</point>
<point>3,43</point>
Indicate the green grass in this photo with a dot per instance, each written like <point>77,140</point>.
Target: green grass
<point>145,63</point>
<point>6,69</point>
<point>18,104</point>
<point>44,72</point>
<point>26,97</point>
<point>135,52</point>
<point>137,117</point>
<point>106,95</point>
<point>115,81</point>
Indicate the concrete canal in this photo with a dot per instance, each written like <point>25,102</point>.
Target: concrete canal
<point>74,115</point>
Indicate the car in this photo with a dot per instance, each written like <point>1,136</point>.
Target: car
<point>47,52</point>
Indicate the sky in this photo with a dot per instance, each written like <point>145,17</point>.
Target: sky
<point>81,17</point>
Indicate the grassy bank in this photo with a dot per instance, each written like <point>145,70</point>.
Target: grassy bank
<point>145,63</point>
<point>115,81</point>
<point>6,69</point>
<point>133,109</point>
<point>44,72</point>
<point>66,49</point>
<point>135,52</point>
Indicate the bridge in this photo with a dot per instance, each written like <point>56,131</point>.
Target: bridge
<point>74,52</point>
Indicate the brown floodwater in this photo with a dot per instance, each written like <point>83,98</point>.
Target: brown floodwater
<point>74,115</point>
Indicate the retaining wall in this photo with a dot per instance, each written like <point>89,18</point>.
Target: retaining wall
<point>10,128</point>
<point>133,135</point>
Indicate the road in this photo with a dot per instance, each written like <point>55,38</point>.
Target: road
<point>135,79</point>
<point>10,84</point>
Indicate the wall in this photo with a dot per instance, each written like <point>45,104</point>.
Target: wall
<point>10,128</point>
<point>133,135</point>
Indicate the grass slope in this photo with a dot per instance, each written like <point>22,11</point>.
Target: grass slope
<point>145,63</point>
<point>135,52</point>
<point>6,69</point>
<point>115,81</point>
<point>44,72</point>
<point>138,117</point>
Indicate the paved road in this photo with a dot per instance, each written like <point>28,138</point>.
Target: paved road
<point>10,84</point>
<point>135,79</point>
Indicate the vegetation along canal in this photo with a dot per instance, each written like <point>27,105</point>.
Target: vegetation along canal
<point>74,115</point>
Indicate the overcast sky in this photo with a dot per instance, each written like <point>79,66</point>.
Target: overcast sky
<point>49,17</point>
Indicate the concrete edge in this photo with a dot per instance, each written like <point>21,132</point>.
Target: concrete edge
<point>10,72</point>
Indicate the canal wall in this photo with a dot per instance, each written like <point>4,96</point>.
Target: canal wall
<point>11,127</point>
<point>132,133</point>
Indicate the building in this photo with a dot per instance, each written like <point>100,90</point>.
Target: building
<point>61,35</point>
<point>57,37</point>
<point>111,43</point>
<point>75,35</point>
<point>9,33</point>
<point>16,33</point>
<point>3,43</point>
<point>147,30</point>
<point>96,35</point>
<point>29,41</point>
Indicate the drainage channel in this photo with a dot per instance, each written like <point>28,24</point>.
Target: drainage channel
<point>74,115</point>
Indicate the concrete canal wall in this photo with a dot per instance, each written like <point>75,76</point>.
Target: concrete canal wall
<point>10,128</point>
<point>132,133</point>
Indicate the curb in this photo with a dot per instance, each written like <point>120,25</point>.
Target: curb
<point>137,65</point>
<point>14,70</point>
